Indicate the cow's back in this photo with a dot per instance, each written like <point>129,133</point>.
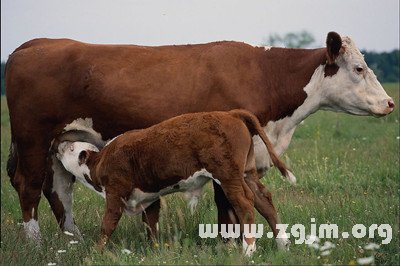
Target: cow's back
<point>128,86</point>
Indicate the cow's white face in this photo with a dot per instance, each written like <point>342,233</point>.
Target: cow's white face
<point>73,154</point>
<point>354,88</point>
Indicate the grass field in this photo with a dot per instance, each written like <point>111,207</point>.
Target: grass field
<point>348,173</point>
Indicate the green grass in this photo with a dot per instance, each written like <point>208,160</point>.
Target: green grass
<point>348,173</point>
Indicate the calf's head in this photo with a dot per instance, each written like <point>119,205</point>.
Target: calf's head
<point>349,85</point>
<point>73,155</point>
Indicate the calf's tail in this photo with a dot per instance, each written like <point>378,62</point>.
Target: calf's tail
<point>255,128</point>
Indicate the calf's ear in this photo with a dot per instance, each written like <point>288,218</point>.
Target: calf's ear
<point>83,156</point>
<point>333,45</point>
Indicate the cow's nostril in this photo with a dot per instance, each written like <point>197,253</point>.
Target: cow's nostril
<point>391,104</point>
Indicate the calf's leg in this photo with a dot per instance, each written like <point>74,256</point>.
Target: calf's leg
<point>242,200</point>
<point>114,209</point>
<point>265,206</point>
<point>150,218</point>
<point>226,213</point>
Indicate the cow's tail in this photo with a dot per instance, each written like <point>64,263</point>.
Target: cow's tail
<point>255,128</point>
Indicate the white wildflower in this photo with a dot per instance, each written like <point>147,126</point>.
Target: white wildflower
<point>327,245</point>
<point>366,260</point>
<point>51,263</point>
<point>72,242</point>
<point>372,246</point>
<point>126,251</point>
<point>61,251</point>
<point>325,253</point>
<point>398,137</point>
<point>314,246</point>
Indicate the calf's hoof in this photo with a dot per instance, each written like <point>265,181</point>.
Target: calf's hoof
<point>283,243</point>
<point>249,249</point>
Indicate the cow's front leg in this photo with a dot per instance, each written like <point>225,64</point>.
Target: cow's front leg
<point>150,217</point>
<point>115,206</point>
<point>58,189</point>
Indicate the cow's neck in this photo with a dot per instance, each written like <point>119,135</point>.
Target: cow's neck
<point>292,71</point>
<point>298,93</point>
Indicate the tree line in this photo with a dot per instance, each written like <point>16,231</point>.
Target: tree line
<point>386,66</point>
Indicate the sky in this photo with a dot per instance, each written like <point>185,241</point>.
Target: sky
<point>373,24</point>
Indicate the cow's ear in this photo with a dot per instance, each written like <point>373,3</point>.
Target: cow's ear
<point>83,157</point>
<point>333,45</point>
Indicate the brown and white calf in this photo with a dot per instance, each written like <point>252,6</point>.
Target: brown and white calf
<point>181,154</point>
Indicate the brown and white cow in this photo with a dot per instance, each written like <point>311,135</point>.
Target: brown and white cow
<point>50,83</point>
<point>180,154</point>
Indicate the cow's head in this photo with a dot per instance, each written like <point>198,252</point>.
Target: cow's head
<point>73,155</point>
<point>349,85</point>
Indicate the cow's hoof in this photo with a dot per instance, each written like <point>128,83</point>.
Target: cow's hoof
<point>291,178</point>
<point>73,231</point>
<point>32,231</point>
<point>283,243</point>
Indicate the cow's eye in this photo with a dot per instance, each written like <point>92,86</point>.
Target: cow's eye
<point>359,69</point>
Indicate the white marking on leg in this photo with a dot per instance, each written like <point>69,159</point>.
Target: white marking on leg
<point>283,242</point>
<point>291,177</point>
<point>63,186</point>
<point>249,249</point>
<point>32,230</point>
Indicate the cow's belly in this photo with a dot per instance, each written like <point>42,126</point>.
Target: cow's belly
<point>192,186</point>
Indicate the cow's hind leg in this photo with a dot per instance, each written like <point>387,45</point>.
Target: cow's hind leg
<point>58,189</point>
<point>150,218</point>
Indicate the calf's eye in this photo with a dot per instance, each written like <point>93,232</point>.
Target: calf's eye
<point>359,69</point>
